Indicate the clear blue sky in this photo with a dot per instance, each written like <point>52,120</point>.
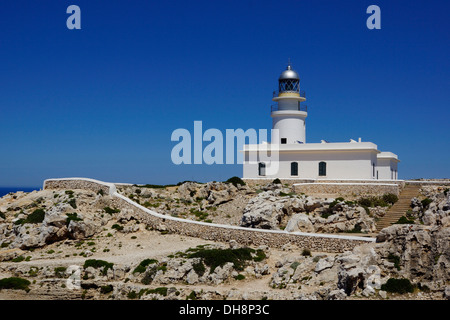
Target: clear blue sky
<point>102,102</point>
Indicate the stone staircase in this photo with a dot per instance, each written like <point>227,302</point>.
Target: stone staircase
<point>400,207</point>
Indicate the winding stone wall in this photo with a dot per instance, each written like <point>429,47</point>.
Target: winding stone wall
<point>209,231</point>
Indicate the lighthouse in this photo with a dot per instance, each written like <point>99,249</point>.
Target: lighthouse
<point>294,159</point>
<point>288,113</point>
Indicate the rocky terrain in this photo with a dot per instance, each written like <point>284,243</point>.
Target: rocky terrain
<point>74,244</point>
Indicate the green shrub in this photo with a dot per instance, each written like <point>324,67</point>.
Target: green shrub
<point>72,217</point>
<point>161,291</point>
<point>98,264</point>
<point>306,253</point>
<point>394,259</point>
<point>110,210</point>
<point>192,296</point>
<point>18,259</point>
<point>72,203</point>
<point>240,277</point>
<point>199,268</point>
<point>118,227</point>
<point>404,220</point>
<point>426,202</point>
<point>2,215</point>
<point>335,202</point>
<point>106,289</point>
<point>60,272</point>
<point>37,216</point>
<point>235,181</point>
<point>398,286</point>
<point>144,264</point>
<point>390,198</point>
<point>365,202</point>
<point>15,283</point>
<point>219,257</point>
<point>260,255</point>
<point>375,201</point>
<point>132,295</point>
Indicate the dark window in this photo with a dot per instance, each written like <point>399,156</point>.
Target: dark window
<point>294,169</point>
<point>373,169</point>
<point>262,169</point>
<point>283,140</point>
<point>322,168</point>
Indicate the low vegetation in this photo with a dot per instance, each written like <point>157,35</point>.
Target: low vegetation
<point>15,283</point>
<point>398,286</point>
<point>214,258</point>
<point>96,264</point>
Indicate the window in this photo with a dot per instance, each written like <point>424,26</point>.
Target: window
<point>322,168</point>
<point>283,140</point>
<point>261,169</point>
<point>373,169</point>
<point>294,169</point>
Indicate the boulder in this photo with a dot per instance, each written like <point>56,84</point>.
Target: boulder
<point>299,222</point>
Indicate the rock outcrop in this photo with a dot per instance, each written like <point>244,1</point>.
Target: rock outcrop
<point>277,209</point>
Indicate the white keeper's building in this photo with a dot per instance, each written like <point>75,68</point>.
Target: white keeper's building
<point>354,160</point>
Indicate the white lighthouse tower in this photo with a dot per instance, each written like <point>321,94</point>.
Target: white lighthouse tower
<point>288,114</point>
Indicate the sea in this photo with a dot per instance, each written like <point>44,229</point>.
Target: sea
<point>6,190</point>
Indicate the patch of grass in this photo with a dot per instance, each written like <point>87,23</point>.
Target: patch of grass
<point>15,283</point>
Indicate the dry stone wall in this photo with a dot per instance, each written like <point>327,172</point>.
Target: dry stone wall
<point>346,190</point>
<point>209,231</point>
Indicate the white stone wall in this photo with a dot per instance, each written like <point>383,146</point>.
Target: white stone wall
<point>214,232</point>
